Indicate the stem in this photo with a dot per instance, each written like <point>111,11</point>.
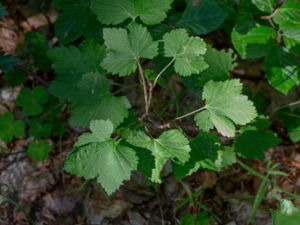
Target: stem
<point>189,114</point>
<point>167,125</point>
<point>152,86</point>
<point>287,105</point>
<point>162,71</point>
<point>143,82</point>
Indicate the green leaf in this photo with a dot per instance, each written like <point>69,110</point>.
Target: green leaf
<point>32,101</point>
<point>253,144</point>
<point>39,128</point>
<point>117,11</point>
<point>204,147</point>
<point>202,17</point>
<point>124,48</point>
<point>71,63</point>
<point>226,157</point>
<point>220,64</point>
<point>39,150</point>
<point>187,51</point>
<point>37,46</point>
<point>225,107</point>
<point>101,131</point>
<point>282,69</point>
<point>10,128</point>
<point>253,43</point>
<point>288,19</point>
<point>14,77</point>
<point>98,156</point>
<point>93,101</point>
<point>291,121</point>
<point>287,215</point>
<point>170,145</point>
<point>265,5</point>
<point>74,20</point>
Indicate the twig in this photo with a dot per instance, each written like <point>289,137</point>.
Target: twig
<point>144,84</point>
<point>30,73</point>
<point>271,15</point>
<point>168,124</point>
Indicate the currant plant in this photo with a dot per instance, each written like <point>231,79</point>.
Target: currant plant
<point>151,86</point>
<point>110,152</point>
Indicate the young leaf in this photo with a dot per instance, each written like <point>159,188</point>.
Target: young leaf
<point>117,11</point>
<point>282,69</point>
<point>202,17</point>
<point>32,101</point>
<point>98,156</point>
<point>39,151</point>
<point>170,145</point>
<point>225,107</point>
<point>125,48</point>
<point>10,128</point>
<point>187,51</point>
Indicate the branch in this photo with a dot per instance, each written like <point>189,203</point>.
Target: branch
<point>144,84</point>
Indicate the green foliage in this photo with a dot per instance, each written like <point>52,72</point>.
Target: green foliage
<point>125,48</point>
<point>291,121</point>
<point>264,139</point>
<point>14,77</point>
<point>32,101</point>
<point>282,69</point>
<point>186,51</point>
<point>254,42</point>
<point>82,81</point>
<point>70,64</point>
<point>97,155</point>
<point>115,11</point>
<point>39,128</point>
<point>39,150</point>
<point>202,17</point>
<point>225,107</point>
<point>167,66</point>
<point>204,147</point>
<point>75,20</point>
<point>170,145</point>
<point>287,215</point>
<point>201,219</point>
<point>37,46</point>
<point>265,5</point>
<point>10,128</point>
